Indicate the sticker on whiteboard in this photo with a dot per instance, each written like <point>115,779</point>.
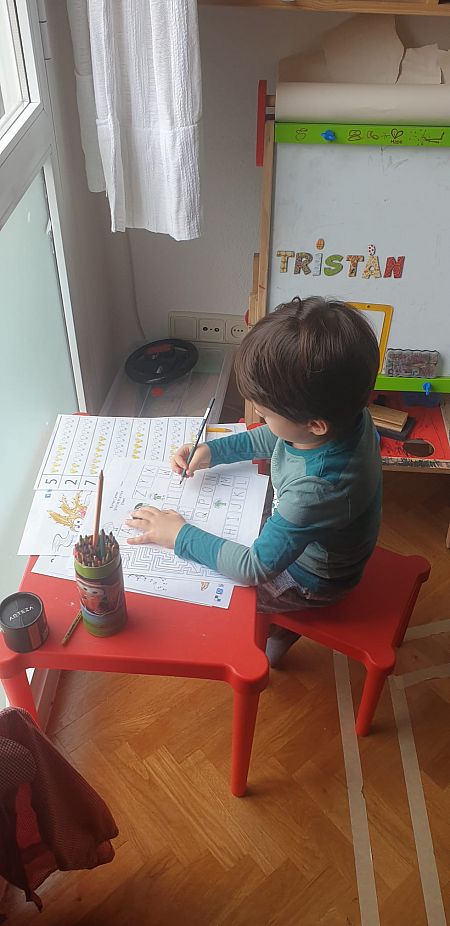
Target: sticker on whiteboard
<point>333,265</point>
<point>285,255</point>
<point>394,267</point>
<point>372,268</point>
<point>317,264</point>
<point>353,261</point>
<point>302,262</point>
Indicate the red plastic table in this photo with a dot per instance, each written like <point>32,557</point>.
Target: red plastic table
<point>162,637</point>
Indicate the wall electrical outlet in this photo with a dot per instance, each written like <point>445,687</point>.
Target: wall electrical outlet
<point>235,329</point>
<point>224,329</point>
<point>211,328</point>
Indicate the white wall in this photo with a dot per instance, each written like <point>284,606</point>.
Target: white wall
<point>239,46</point>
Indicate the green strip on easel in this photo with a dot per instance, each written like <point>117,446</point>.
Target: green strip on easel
<point>412,383</point>
<point>403,136</point>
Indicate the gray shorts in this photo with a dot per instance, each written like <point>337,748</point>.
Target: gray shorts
<point>284,594</point>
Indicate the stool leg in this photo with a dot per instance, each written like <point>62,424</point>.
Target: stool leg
<point>400,634</point>
<point>373,687</point>
<point>261,630</point>
<point>245,709</point>
<point>19,694</point>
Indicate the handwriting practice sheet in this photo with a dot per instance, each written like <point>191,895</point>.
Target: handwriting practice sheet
<point>228,505</point>
<point>81,445</point>
<point>135,454</point>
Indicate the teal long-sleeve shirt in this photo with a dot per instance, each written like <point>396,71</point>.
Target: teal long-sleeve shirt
<point>325,517</point>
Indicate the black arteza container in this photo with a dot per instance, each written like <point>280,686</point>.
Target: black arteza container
<point>23,622</point>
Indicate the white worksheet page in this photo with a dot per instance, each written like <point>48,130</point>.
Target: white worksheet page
<point>81,445</point>
<point>57,513</point>
<point>229,505</point>
<point>54,523</point>
<point>209,592</point>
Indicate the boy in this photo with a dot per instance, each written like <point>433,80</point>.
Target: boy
<point>308,368</point>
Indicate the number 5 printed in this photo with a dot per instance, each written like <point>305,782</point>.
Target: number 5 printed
<point>51,482</point>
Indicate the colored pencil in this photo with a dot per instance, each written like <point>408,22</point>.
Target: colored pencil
<point>197,439</point>
<point>98,508</point>
<point>71,629</point>
<point>105,552</point>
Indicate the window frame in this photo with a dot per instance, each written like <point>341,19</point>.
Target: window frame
<point>29,146</point>
<point>38,103</point>
<point>12,74</point>
<point>26,147</point>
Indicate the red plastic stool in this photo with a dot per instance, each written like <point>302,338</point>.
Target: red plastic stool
<point>366,625</point>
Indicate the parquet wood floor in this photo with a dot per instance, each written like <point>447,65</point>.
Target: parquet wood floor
<point>158,751</point>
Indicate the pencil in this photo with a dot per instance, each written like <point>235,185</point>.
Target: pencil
<point>219,431</point>
<point>70,630</point>
<point>197,439</point>
<point>98,508</point>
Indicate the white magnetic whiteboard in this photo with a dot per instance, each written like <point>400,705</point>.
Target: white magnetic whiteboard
<point>351,197</point>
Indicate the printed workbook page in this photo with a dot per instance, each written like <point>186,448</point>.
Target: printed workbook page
<point>210,592</point>
<point>81,445</point>
<point>228,504</point>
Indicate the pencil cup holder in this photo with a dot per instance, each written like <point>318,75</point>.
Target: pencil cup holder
<point>102,597</point>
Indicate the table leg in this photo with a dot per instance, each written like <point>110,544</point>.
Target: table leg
<point>19,694</point>
<point>245,709</point>
<point>262,629</point>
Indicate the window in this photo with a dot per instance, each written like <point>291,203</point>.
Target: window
<point>36,380</point>
<point>39,367</point>
<point>14,94</point>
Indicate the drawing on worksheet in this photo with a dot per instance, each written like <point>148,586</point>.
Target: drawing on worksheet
<point>227,505</point>
<point>54,522</point>
<point>82,445</point>
<point>148,560</point>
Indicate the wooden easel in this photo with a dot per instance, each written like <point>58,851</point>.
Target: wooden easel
<point>257,303</point>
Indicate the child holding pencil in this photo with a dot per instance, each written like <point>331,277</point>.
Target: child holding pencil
<point>309,369</point>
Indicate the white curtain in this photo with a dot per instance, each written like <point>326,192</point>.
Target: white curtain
<point>138,80</point>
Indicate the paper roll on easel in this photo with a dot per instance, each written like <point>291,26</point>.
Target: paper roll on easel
<point>398,104</point>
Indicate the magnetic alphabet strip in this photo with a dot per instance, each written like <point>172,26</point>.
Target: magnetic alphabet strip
<point>404,136</point>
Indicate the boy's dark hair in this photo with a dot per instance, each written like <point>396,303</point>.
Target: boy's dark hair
<point>311,358</point>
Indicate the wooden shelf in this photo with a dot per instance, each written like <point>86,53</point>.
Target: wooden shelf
<point>186,396</point>
<point>415,7</point>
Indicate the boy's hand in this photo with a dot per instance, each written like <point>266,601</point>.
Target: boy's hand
<point>200,460</point>
<point>161,527</point>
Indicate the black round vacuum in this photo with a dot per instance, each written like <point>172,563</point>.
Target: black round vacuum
<point>161,362</point>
